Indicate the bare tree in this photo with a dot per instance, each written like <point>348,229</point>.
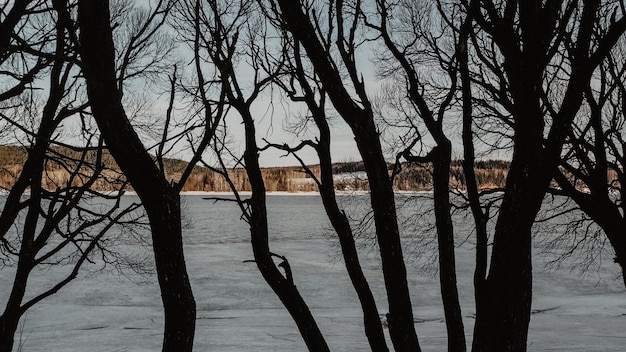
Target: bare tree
<point>159,196</point>
<point>592,166</point>
<point>480,214</point>
<point>303,20</point>
<point>50,224</point>
<point>527,51</point>
<point>61,228</point>
<point>418,44</point>
<point>18,74</point>
<point>302,87</point>
<point>223,33</point>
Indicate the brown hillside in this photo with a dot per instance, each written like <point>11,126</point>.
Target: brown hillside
<point>349,176</point>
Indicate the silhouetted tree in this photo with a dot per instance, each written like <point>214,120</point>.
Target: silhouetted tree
<point>410,39</point>
<point>303,22</point>
<point>45,220</point>
<point>537,59</point>
<point>591,171</point>
<point>159,197</point>
<point>303,87</point>
<point>220,32</point>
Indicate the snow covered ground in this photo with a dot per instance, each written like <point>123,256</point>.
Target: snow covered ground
<point>102,311</point>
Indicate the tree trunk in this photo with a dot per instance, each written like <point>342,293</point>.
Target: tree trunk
<point>11,316</point>
<point>178,301</point>
<point>440,157</point>
<point>13,310</point>
<point>371,316</point>
<point>161,201</point>
<point>282,285</point>
<point>400,316</point>
<point>469,157</point>
<point>8,326</point>
<point>503,317</point>
<point>445,239</point>
<point>505,300</point>
<point>31,176</point>
<point>618,241</point>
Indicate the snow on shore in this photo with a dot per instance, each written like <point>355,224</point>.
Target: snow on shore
<point>238,312</point>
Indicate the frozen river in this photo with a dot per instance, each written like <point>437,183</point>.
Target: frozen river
<point>106,311</point>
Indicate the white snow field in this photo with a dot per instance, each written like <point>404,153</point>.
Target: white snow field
<point>103,311</point>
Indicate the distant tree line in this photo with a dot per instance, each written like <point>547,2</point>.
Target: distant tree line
<point>412,177</point>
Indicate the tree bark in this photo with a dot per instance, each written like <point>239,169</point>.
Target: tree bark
<point>160,199</point>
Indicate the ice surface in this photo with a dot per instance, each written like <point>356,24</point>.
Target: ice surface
<point>237,311</point>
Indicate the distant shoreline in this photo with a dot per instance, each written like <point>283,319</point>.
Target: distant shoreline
<point>248,193</point>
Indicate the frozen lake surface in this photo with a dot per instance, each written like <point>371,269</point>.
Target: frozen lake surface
<point>237,311</point>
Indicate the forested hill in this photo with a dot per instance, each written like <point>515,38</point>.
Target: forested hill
<point>349,176</point>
